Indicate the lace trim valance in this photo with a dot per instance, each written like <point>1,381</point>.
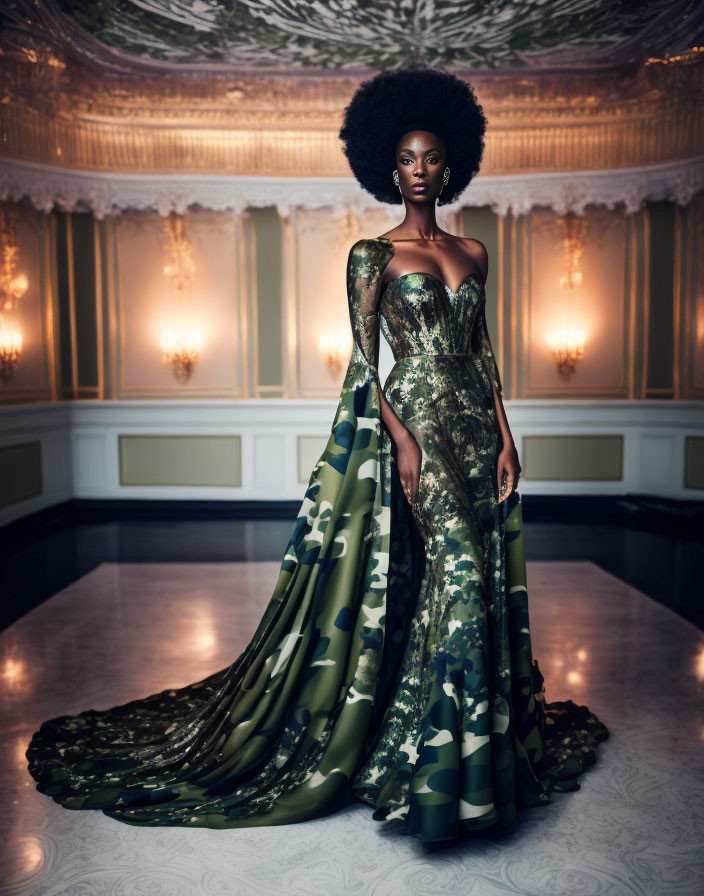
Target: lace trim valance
<point>104,193</point>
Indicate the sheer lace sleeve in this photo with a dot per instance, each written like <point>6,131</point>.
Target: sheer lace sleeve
<point>487,353</point>
<point>365,264</point>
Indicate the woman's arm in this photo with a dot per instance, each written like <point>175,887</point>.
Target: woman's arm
<point>504,428</point>
<point>408,452</point>
<point>396,429</point>
<point>508,465</point>
<point>365,264</point>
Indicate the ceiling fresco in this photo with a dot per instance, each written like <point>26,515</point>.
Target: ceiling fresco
<point>587,100</point>
<point>376,34</point>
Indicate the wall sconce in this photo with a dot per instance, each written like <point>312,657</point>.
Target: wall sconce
<point>181,351</point>
<point>10,351</point>
<point>567,346</point>
<point>12,288</point>
<point>333,346</point>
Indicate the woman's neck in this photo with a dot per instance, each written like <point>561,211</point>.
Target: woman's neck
<point>420,222</point>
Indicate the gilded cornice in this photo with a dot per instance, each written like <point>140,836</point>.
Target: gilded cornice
<point>55,111</point>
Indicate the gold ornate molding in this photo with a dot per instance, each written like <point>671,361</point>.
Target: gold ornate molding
<point>56,111</point>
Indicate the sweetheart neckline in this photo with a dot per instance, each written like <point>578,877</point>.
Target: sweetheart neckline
<point>453,292</point>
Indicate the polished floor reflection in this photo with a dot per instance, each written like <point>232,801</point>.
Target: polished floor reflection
<point>653,544</point>
<point>126,630</point>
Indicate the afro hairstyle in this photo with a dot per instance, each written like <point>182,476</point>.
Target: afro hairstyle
<point>380,107</point>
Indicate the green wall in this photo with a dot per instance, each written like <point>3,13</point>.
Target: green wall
<point>269,299</point>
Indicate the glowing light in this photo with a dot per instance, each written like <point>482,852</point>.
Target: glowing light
<point>333,345</point>
<point>31,854</point>
<point>568,338</point>
<point>567,344</point>
<point>569,281</point>
<point>688,56</point>
<point>13,673</point>
<point>181,349</point>
<point>204,637</point>
<point>10,351</point>
<point>21,747</point>
<point>699,665</point>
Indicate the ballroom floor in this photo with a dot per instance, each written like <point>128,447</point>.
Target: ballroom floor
<point>124,630</point>
<point>651,543</point>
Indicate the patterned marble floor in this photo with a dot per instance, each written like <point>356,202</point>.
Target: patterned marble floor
<point>127,630</point>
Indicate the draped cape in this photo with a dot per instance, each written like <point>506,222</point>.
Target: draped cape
<point>276,736</point>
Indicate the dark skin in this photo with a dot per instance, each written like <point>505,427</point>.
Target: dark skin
<point>421,245</point>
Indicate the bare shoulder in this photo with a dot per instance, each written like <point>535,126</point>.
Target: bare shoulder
<point>476,248</point>
<point>478,253</point>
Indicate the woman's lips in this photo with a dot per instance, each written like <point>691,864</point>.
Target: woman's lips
<point>418,188</point>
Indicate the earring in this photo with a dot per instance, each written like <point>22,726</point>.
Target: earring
<point>397,182</point>
<point>445,178</point>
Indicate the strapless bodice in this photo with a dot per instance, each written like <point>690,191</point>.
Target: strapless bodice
<point>419,314</point>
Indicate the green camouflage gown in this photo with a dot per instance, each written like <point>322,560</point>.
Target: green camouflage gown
<point>393,662</point>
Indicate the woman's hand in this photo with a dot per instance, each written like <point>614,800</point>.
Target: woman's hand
<point>508,470</point>
<point>408,458</point>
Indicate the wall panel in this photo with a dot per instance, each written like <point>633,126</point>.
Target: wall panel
<point>598,305</point>
<point>180,460</point>
<point>147,304</point>
<point>32,315</point>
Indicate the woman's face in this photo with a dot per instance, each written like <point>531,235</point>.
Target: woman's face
<point>420,159</point>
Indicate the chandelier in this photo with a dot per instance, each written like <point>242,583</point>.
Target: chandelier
<point>568,340</point>
<point>180,345</point>
<point>12,286</point>
<point>573,232</point>
<point>180,269</point>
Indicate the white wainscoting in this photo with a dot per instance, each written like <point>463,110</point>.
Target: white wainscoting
<point>80,444</point>
<point>50,425</point>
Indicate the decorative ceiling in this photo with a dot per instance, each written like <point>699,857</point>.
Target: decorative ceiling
<point>374,34</point>
<point>220,100</point>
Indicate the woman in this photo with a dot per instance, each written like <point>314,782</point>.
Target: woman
<point>393,663</point>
